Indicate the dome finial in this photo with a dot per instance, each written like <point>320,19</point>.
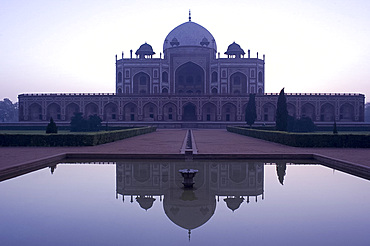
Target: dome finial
<point>189,15</point>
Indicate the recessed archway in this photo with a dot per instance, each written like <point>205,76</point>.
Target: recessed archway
<point>308,110</point>
<point>71,109</point>
<point>327,112</point>
<point>141,83</point>
<point>346,112</point>
<point>209,112</point>
<point>110,112</point>
<point>189,77</point>
<point>91,109</point>
<point>238,83</point>
<point>189,112</point>
<point>35,112</point>
<point>53,111</point>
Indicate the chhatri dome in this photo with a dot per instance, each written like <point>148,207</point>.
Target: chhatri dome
<point>189,34</point>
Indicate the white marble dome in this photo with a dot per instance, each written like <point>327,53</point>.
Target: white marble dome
<point>189,34</point>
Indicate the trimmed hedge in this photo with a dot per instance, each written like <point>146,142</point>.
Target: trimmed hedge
<point>77,139</point>
<point>306,139</point>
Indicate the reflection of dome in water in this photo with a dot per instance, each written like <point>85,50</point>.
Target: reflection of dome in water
<point>189,213</point>
<point>145,202</point>
<point>233,203</point>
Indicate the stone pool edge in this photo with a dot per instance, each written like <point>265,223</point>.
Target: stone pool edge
<point>23,168</point>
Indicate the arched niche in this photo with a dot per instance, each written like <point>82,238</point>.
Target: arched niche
<point>228,112</point>
<point>71,109</point>
<point>141,83</point>
<point>110,112</point>
<point>130,112</point>
<point>169,112</point>
<point>189,112</point>
<point>35,112</point>
<point>53,111</point>
<point>308,110</point>
<point>238,83</point>
<point>209,112</point>
<point>327,112</point>
<point>268,112</point>
<point>150,112</point>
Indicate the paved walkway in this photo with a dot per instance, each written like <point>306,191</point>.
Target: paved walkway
<point>169,141</point>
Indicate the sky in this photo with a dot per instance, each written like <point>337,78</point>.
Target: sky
<point>69,46</point>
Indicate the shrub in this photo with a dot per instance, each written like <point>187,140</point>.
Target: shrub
<point>94,123</point>
<point>306,139</point>
<point>51,127</point>
<point>304,124</point>
<point>78,123</point>
<point>78,139</point>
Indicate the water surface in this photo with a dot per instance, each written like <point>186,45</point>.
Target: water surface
<point>142,203</point>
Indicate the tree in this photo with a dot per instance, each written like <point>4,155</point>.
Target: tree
<point>281,112</point>
<point>281,171</point>
<point>78,123</point>
<point>8,111</point>
<point>335,130</point>
<point>250,111</point>
<point>304,124</point>
<point>51,127</point>
<point>94,123</point>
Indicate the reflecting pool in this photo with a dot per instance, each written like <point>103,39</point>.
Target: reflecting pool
<point>136,202</point>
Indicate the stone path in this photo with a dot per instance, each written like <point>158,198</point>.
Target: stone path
<point>169,141</point>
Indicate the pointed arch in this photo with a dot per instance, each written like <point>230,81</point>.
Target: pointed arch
<point>268,112</point>
<point>169,112</point>
<point>291,109</point>
<point>209,112</point>
<point>238,83</point>
<point>110,112</point>
<point>141,83</point>
<point>150,112</point>
<point>71,109</point>
<point>327,112</point>
<point>189,77</point>
<point>308,110</point>
<point>35,112</point>
<point>53,111</point>
<point>189,112</point>
<point>228,112</point>
<point>347,112</point>
<point>130,112</point>
<point>91,109</point>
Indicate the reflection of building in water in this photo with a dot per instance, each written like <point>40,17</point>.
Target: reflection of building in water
<point>189,209</point>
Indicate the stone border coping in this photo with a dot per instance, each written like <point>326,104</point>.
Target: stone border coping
<point>23,168</point>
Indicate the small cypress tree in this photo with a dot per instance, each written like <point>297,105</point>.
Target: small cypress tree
<point>281,112</point>
<point>335,130</point>
<point>51,127</point>
<point>250,111</point>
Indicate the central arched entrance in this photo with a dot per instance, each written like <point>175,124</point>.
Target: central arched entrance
<point>189,79</point>
<point>189,113</point>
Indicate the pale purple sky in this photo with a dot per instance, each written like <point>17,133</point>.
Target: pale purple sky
<point>70,46</point>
